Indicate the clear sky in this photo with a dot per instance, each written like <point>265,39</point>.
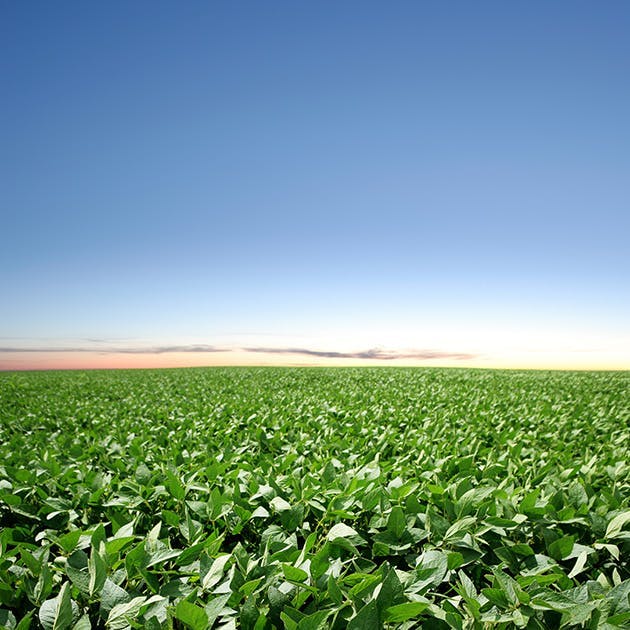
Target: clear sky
<point>430,183</point>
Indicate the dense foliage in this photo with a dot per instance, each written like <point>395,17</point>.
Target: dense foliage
<point>314,498</point>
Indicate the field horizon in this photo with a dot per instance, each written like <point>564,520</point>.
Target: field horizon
<point>366,366</point>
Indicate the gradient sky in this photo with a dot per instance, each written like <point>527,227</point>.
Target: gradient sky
<point>445,182</point>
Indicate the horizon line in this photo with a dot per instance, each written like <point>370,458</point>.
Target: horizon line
<point>514,368</point>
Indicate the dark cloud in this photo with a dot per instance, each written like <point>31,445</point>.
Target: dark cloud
<point>374,353</point>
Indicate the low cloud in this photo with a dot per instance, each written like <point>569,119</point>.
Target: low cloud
<point>164,349</point>
<point>112,350</point>
<point>373,353</point>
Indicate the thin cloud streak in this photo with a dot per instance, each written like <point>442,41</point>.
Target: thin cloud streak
<point>149,350</point>
<point>371,354</point>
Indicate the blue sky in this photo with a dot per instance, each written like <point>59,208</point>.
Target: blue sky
<point>334,176</point>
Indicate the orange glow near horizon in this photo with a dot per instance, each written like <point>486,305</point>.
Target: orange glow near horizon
<point>26,361</point>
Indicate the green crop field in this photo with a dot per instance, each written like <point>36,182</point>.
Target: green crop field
<point>295,498</point>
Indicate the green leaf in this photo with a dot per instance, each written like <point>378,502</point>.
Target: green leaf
<point>98,536</point>
<point>521,549</point>
<point>459,527</point>
<point>579,565</point>
<point>190,554</point>
<point>616,525</point>
<point>618,621</point>
<point>277,599</point>
<point>121,616</point>
<point>7,619</point>
<point>25,622</point>
<point>68,542</point>
<point>293,574</point>
<point>390,593</point>
<point>77,571</point>
<point>215,606</point>
<point>397,523</point>
<point>215,573</point>
<point>44,584</point>
<point>333,590</point>
<point>455,621</point>
<point>57,613</point>
<point>341,530</point>
<point>289,623</point>
<point>619,598</point>
<point>365,619</point>
<point>507,585</point>
<point>472,499</point>
<point>497,597</point>
<point>320,562</point>
<point>161,555</point>
<point>97,572</point>
<point>112,595</point>
<point>404,612</point>
<point>365,584</point>
<point>529,501</point>
<point>431,570</point>
<point>115,545</point>
<point>613,550</point>
<point>454,560</point>
<point>551,600</point>
<point>467,585</point>
<point>83,623</point>
<point>259,512</point>
<point>577,615</point>
<point>143,474</point>
<point>279,504</point>
<point>192,615</point>
<point>315,621</point>
<point>249,614</point>
<point>561,548</point>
